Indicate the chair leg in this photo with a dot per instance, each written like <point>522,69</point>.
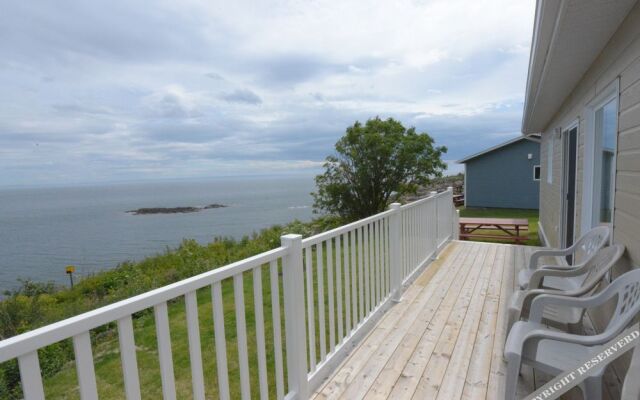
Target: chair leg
<point>512,375</point>
<point>592,388</point>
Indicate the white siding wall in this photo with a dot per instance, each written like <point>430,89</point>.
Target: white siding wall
<point>620,58</point>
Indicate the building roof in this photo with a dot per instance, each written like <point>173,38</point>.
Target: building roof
<point>568,36</point>
<point>499,146</point>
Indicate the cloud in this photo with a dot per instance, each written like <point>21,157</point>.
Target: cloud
<point>98,92</point>
<point>173,101</point>
<point>81,109</point>
<point>214,76</point>
<point>242,96</point>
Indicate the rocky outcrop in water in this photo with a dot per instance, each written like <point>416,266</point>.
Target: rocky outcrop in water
<point>173,210</point>
<point>214,205</point>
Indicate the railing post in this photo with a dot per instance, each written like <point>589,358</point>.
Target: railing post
<point>436,219</point>
<point>395,229</point>
<point>294,316</point>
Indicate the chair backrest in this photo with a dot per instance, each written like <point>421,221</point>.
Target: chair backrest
<point>601,263</point>
<point>590,242</point>
<point>627,289</point>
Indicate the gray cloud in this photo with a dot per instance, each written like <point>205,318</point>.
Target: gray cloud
<point>292,69</point>
<point>81,109</point>
<point>214,76</point>
<point>242,96</point>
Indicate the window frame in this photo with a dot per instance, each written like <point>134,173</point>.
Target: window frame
<point>610,93</point>
<point>539,172</point>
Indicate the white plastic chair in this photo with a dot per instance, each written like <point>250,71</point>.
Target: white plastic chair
<point>553,352</point>
<point>631,386</point>
<point>578,284</point>
<point>581,251</point>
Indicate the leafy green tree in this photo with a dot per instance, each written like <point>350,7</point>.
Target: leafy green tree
<point>373,164</point>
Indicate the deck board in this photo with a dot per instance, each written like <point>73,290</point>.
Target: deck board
<point>444,339</point>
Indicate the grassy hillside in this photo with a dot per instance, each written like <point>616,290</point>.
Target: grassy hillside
<point>36,304</point>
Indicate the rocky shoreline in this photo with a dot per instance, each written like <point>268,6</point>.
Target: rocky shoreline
<point>173,210</point>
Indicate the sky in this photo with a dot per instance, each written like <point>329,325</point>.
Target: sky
<point>137,90</point>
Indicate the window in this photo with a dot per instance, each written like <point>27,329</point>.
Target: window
<point>550,160</point>
<point>536,172</point>
<point>600,150</point>
<point>606,129</point>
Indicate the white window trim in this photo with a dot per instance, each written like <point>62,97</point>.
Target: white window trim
<point>534,173</point>
<point>611,92</point>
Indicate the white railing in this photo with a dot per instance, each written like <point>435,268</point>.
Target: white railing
<point>334,286</point>
<point>427,225</point>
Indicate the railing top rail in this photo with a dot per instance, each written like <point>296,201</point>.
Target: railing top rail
<point>49,334</point>
<point>321,237</point>
<point>424,200</point>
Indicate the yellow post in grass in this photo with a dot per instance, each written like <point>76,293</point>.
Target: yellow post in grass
<point>70,269</point>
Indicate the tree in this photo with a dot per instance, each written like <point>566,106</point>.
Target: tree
<point>372,162</point>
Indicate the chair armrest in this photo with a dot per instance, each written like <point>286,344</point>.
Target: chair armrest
<point>538,304</point>
<point>559,267</point>
<point>540,334</point>
<point>536,255</point>
<point>536,278</point>
<point>531,294</point>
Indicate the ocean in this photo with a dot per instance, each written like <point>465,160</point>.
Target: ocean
<point>42,230</point>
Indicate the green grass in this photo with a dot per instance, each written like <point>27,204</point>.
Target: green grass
<point>531,215</point>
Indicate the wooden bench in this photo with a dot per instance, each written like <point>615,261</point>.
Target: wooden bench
<point>514,229</point>
<point>458,200</point>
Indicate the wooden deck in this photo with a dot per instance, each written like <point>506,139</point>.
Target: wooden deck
<point>444,340</point>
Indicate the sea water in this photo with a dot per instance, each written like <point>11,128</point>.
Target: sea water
<point>42,230</point>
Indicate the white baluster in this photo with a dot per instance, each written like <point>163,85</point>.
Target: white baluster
<point>311,320</point>
<point>128,358</point>
<point>30,376</point>
<point>241,332</point>
<point>220,341</point>
<point>195,353</point>
<point>331,295</point>
<point>321,317</point>
<point>395,243</point>
<point>164,351</point>
<point>260,340</point>
<point>339,292</point>
<point>277,335</point>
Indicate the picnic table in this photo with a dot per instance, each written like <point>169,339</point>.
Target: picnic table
<point>512,229</point>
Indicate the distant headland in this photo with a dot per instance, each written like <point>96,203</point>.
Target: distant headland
<point>173,210</point>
